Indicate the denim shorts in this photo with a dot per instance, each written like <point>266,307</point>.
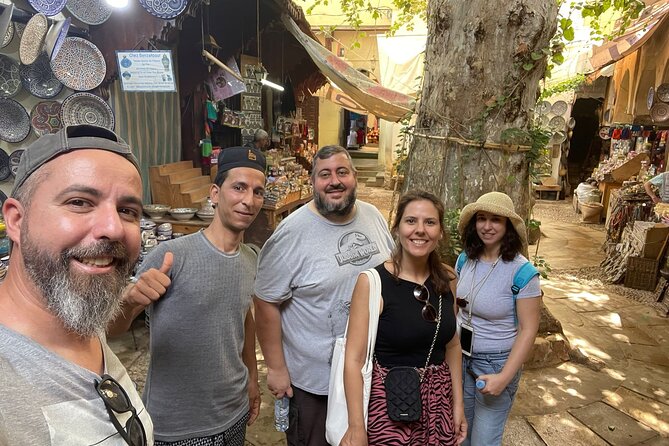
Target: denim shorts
<point>486,414</point>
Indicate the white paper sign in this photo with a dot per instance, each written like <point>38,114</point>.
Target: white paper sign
<point>146,70</point>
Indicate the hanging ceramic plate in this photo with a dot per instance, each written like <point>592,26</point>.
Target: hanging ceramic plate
<point>14,160</point>
<point>659,112</point>
<point>79,64</point>
<point>14,121</point>
<point>45,117</point>
<point>650,99</point>
<point>55,37</point>
<point>604,132</point>
<point>9,74</point>
<point>165,9</point>
<point>6,25</point>
<point>9,35</point>
<point>39,80</point>
<point>559,137</point>
<point>19,28</point>
<point>542,121</point>
<point>559,108</point>
<point>86,108</point>
<point>662,93</point>
<point>543,107</point>
<point>5,170</point>
<point>571,123</point>
<point>557,123</point>
<point>91,12</point>
<point>33,39</point>
<point>47,7</point>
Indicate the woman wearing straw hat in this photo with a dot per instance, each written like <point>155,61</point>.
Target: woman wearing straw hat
<point>496,327</point>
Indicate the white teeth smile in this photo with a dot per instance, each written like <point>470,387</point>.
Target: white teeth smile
<point>99,261</point>
<point>418,242</point>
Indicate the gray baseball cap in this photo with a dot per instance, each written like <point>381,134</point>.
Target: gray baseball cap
<point>69,139</point>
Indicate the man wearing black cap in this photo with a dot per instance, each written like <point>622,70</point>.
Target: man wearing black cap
<point>202,384</point>
<point>73,220</point>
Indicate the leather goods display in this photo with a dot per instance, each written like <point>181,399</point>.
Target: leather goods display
<point>336,422</point>
<point>403,394</point>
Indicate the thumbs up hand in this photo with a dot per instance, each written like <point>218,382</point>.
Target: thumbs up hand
<point>151,285</point>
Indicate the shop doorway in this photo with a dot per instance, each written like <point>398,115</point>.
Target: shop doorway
<point>585,144</point>
<point>355,130</point>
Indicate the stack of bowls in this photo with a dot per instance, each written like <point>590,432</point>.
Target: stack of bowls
<point>164,232</point>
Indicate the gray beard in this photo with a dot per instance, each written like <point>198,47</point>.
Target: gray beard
<point>85,304</point>
<point>326,208</point>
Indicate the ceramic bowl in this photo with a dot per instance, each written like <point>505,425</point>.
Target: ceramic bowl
<point>156,210</point>
<point>183,213</point>
<point>206,216</point>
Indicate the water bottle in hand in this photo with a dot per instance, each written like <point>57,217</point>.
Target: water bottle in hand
<point>281,407</point>
<point>480,384</point>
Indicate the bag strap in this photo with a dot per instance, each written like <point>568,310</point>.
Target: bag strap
<point>434,340</point>
<point>374,304</point>
<point>460,262</point>
<point>522,277</point>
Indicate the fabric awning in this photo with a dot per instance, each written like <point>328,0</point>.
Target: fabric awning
<point>633,37</point>
<point>380,101</point>
<point>334,94</point>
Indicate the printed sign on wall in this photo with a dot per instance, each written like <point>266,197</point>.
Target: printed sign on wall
<point>146,70</point>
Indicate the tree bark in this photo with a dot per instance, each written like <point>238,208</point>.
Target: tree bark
<point>475,54</point>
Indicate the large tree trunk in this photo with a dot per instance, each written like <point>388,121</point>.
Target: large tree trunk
<point>475,52</point>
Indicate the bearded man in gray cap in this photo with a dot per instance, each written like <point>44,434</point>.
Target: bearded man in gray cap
<point>197,292</point>
<point>73,220</point>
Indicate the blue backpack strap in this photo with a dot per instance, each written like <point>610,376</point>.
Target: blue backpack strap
<point>462,258</point>
<point>522,277</point>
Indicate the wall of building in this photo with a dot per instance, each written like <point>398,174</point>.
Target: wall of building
<point>330,125</point>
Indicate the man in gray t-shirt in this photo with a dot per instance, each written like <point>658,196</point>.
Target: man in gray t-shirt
<point>73,220</point>
<point>306,274</point>
<point>202,383</point>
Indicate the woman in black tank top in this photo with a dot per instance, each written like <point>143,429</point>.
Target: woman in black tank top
<point>416,329</point>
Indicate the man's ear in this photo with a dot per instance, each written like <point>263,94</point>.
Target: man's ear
<point>213,193</point>
<point>13,212</point>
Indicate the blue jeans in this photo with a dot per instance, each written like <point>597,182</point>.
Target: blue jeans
<point>486,414</point>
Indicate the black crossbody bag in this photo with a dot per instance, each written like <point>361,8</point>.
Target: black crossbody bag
<point>402,386</point>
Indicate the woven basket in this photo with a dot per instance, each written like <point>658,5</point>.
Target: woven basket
<point>641,273</point>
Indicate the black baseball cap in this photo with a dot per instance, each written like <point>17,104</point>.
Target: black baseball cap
<point>232,157</point>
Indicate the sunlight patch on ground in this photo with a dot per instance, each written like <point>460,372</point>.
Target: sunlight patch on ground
<point>574,392</point>
<point>548,397</point>
<point>621,337</point>
<point>588,296</point>
<point>586,346</point>
<point>615,374</point>
<point>574,379</point>
<point>651,420</point>
<point>567,367</point>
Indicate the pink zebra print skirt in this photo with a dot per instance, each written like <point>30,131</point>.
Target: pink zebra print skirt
<point>435,426</point>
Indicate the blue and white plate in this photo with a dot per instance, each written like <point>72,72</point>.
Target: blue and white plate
<point>165,9</point>
<point>14,121</point>
<point>90,12</point>
<point>47,7</point>
<point>39,80</point>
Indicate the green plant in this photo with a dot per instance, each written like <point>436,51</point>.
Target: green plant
<point>453,245</point>
<point>533,224</point>
<point>542,265</point>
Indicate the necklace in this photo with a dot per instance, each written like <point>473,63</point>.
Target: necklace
<point>474,289</point>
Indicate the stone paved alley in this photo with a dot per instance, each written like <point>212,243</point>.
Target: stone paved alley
<point>619,395</point>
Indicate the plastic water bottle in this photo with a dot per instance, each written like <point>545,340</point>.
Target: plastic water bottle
<point>281,407</point>
<point>480,384</point>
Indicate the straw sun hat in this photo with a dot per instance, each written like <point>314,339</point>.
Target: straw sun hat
<point>499,204</point>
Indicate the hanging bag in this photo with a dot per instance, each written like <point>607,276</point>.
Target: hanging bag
<point>336,423</point>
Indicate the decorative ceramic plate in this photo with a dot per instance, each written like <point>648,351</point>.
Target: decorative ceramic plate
<point>557,123</point>
<point>559,108</point>
<point>79,64</point>
<point>559,137</point>
<point>9,35</point>
<point>19,28</point>
<point>14,121</point>
<point>662,93</point>
<point>165,9</point>
<point>14,160</point>
<point>91,12</point>
<point>571,123</point>
<point>650,99</point>
<point>56,36</point>
<point>9,74</point>
<point>6,25</point>
<point>47,7</point>
<point>39,80</point>
<point>33,39</point>
<point>45,117</point>
<point>5,170</point>
<point>543,107</point>
<point>86,108</point>
<point>659,112</point>
<point>542,121</point>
